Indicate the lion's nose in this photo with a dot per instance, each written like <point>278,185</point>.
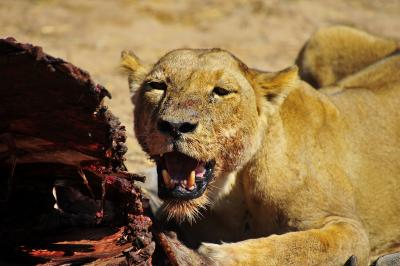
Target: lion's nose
<point>176,129</point>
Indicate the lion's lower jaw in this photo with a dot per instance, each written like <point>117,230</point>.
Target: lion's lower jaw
<point>184,210</point>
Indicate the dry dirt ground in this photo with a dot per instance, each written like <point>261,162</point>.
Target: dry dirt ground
<point>264,34</point>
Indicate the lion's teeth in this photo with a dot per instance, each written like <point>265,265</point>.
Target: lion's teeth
<point>161,154</point>
<point>191,188</point>
<point>191,180</point>
<point>167,179</point>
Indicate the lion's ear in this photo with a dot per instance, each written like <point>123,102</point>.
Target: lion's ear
<point>135,69</point>
<point>274,86</point>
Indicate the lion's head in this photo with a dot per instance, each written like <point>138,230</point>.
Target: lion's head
<point>200,114</point>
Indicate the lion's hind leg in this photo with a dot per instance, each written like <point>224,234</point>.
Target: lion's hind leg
<point>333,53</point>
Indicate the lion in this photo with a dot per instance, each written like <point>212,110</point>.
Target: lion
<point>267,169</point>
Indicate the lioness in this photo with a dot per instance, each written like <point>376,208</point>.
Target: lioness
<point>287,174</point>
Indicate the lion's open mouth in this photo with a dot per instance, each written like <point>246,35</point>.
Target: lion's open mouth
<point>181,176</point>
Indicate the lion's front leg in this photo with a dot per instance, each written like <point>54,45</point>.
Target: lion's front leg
<point>332,244</point>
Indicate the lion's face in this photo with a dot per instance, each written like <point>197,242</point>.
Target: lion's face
<point>197,116</point>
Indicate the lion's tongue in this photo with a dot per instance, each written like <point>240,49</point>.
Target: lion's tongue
<point>179,166</point>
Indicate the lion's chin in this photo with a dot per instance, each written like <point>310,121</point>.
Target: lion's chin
<point>184,210</point>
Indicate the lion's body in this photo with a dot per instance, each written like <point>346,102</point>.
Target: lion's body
<point>369,105</point>
<point>325,175</point>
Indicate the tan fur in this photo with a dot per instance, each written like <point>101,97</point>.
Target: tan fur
<point>303,177</point>
<point>335,52</point>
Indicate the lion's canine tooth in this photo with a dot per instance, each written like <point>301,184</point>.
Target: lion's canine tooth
<point>191,180</point>
<point>167,179</point>
<point>161,154</point>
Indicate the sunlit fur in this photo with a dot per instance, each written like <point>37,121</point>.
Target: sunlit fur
<point>323,62</point>
<point>189,210</point>
<point>303,176</point>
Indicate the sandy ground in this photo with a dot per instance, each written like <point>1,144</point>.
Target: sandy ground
<point>264,34</point>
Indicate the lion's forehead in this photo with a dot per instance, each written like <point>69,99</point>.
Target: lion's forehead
<point>186,68</point>
<point>199,57</point>
<point>187,62</point>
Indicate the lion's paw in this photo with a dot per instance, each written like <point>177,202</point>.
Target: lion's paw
<point>217,253</point>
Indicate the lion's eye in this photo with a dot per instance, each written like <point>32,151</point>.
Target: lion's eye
<point>157,85</point>
<point>221,91</point>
